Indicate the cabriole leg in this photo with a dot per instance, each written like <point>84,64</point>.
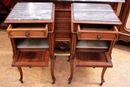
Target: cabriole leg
<point>71,60</point>
<point>102,75</point>
<point>21,74</point>
<point>53,58</point>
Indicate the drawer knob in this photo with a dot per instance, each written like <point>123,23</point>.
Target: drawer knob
<point>26,34</point>
<point>99,36</point>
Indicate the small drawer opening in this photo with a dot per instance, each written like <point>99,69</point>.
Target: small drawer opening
<point>28,30</point>
<point>97,27</point>
<point>29,26</point>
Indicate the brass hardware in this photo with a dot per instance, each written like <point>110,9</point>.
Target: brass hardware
<point>99,36</point>
<point>26,34</point>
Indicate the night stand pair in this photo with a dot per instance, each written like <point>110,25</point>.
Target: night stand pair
<point>32,34</point>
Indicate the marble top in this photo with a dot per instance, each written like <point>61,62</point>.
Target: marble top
<point>94,12</point>
<point>31,11</point>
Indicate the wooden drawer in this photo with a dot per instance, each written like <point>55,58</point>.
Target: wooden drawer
<point>68,5</point>
<point>63,25</point>
<point>27,30</point>
<point>62,20</point>
<point>63,14</point>
<point>62,30</point>
<point>62,35</point>
<point>97,32</point>
<point>62,5</point>
<point>58,5</point>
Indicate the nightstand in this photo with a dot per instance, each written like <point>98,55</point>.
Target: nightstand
<point>94,33</point>
<point>30,29</point>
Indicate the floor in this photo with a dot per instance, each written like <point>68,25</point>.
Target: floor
<point>117,76</point>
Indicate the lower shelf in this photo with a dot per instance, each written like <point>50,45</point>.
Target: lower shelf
<point>93,59</point>
<point>31,59</point>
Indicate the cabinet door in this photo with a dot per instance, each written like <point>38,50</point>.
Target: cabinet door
<point>124,29</point>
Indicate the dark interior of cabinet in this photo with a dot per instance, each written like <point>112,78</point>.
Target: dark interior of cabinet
<point>28,25</point>
<point>97,27</point>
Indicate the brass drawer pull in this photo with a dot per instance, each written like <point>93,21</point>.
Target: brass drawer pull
<point>26,34</point>
<point>99,36</point>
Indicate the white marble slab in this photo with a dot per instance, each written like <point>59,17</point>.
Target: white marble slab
<point>94,12</point>
<point>31,11</point>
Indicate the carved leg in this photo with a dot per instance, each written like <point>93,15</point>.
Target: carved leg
<point>21,74</point>
<point>102,76</point>
<point>71,59</point>
<point>53,58</point>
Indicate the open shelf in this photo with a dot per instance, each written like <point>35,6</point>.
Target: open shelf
<point>62,52</point>
<point>96,44</point>
<point>33,43</point>
<point>93,59</point>
<point>31,59</point>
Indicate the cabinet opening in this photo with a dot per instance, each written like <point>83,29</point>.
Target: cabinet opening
<point>31,43</point>
<point>28,25</point>
<point>97,27</point>
<point>92,44</point>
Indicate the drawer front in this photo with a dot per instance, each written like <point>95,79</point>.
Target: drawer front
<point>63,26</point>
<point>94,32</point>
<point>97,36</point>
<point>63,14</point>
<point>58,5</point>
<point>27,32</point>
<point>62,5</point>
<point>68,5</point>
<point>62,35</point>
<point>62,20</point>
